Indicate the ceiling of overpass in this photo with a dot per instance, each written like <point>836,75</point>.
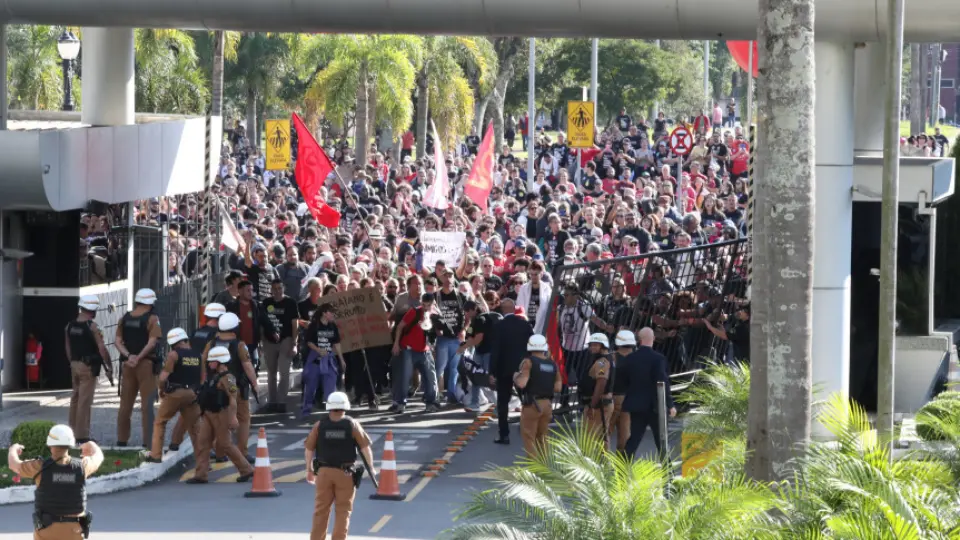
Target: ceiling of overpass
<point>841,20</point>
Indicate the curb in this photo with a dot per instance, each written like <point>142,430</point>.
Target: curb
<point>110,483</point>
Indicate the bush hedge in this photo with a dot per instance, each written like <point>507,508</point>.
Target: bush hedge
<point>938,419</point>
<point>33,436</point>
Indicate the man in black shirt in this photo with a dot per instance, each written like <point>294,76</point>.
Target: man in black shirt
<point>554,241</point>
<point>284,314</point>
<point>590,184</point>
<point>260,272</point>
<point>473,142</point>
<point>449,329</point>
<point>942,141</point>
<point>478,338</point>
<point>624,121</point>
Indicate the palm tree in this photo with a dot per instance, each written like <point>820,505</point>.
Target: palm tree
<point>443,91</point>
<point>719,400</point>
<point>780,400</point>
<point>34,67</point>
<point>575,489</point>
<point>224,48</point>
<point>168,75</point>
<point>357,66</point>
<point>255,75</point>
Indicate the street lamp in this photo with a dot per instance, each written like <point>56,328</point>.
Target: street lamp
<point>69,47</point>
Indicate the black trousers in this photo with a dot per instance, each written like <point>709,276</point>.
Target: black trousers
<point>504,393</point>
<point>639,420</point>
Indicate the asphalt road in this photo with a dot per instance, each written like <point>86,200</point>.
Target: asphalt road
<point>171,509</point>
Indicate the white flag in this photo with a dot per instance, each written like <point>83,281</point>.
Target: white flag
<point>437,195</point>
<point>230,238</point>
<point>312,273</point>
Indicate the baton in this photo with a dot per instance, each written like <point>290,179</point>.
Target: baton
<point>369,470</point>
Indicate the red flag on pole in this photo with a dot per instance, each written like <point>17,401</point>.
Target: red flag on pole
<point>480,181</point>
<point>553,340</point>
<point>313,167</point>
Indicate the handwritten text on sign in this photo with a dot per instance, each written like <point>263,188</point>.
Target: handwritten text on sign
<point>361,319</point>
<point>442,246</point>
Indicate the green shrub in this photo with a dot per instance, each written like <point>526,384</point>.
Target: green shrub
<point>937,420</point>
<point>33,436</point>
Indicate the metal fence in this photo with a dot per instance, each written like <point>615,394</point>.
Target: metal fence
<point>672,292</point>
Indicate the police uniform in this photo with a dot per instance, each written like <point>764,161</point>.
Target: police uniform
<point>239,356</point>
<point>136,331</point>
<point>619,420</point>
<point>601,368</point>
<point>61,496</point>
<point>179,396</point>
<point>543,382</point>
<point>218,399</point>
<point>85,364</point>
<point>201,338</point>
<point>336,444</point>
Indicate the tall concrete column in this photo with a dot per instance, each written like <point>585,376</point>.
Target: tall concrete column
<point>833,217</point>
<point>870,88</point>
<point>4,100</point>
<point>108,77</point>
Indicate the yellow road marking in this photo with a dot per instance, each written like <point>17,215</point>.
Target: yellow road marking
<point>213,467</point>
<point>380,524</point>
<point>299,476</point>
<point>276,466</point>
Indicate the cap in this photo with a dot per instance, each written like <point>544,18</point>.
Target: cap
<point>520,312</point>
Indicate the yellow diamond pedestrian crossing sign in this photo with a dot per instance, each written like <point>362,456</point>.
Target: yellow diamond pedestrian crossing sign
<point>580,122</point>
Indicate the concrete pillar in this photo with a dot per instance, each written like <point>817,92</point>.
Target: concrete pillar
<point>4,100</point>
<point>870,90</point>
<point>108,77</point>
<point>833,218</point>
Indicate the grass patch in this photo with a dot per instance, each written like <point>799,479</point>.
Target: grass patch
<point>114,461</point>
<point>949,132</point>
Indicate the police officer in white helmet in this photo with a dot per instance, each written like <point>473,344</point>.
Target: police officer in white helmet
<point>335,441</point>
<point>624,343</point>
<point>138,334</point>
<point>60,501</point>
<point>538,379</point>
<point>87,354</point>
<point>179,382</point>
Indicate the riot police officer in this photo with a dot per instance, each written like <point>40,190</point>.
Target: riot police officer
<point>596,388</point>
<point>138,333</point>
<point>538,380</point>
<point>178,385</point>
<point>625,343</point>
<point>334,441</point>
<point>218,399</point>
<point>242,370</point>
<point>60,501</point>
<point>201,338</point>
<point>87,354</point>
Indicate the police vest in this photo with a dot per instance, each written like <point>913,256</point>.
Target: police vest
<point>83,346</point>
<point>589,383</point>
<point>543,373</point>
<point>135,333</point>
<point>335,443</point>
<point>62,490</point>
<point>203,336</point>
<point>187,370</point>
<point>211,397</point>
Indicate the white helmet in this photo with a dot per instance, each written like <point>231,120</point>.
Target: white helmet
<point>145,296</point>
<point>625,338</point>
<point>89,302</point>
<point>228,322</point>
<point>599,338</point>
<point>61,435</point>
<point>219,354</point>
<point>176,336</point>
<point>214,310</point>
<point>537,343</point>
<point>338,401</point>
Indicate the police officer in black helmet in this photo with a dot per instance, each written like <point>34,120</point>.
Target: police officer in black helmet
<point>60,502</point>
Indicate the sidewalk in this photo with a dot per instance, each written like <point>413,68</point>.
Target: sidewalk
<point>54,405</point>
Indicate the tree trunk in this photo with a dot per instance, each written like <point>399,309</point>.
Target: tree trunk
<point>480,112</point>
<point>372,111</point>
<point>423,104</point>
<point>252,128</point>
<point>916,91</point>
<point>360,132</point>
<point>216,92</point>
<point>499,96</point>
<point>780,389</point>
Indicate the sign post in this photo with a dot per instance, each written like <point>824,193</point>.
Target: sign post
<point>681,143</point>
<point>278,144</point>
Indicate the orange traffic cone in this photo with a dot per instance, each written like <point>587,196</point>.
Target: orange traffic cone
<point>262,473</point>
<point>389,489</point>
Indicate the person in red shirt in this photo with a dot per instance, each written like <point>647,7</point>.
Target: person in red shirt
<point>739,161</point>
<point>701,124</point>
<point>411,348</point>
<point>406,145</point>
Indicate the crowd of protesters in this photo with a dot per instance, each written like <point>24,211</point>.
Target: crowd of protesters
<point>622,233</point>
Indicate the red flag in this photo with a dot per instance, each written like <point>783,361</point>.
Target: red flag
<point>313,167</point>
<point>553,340</point>
<point>480,181</point>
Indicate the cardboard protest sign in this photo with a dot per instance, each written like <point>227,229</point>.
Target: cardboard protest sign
<point>361,319</point>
